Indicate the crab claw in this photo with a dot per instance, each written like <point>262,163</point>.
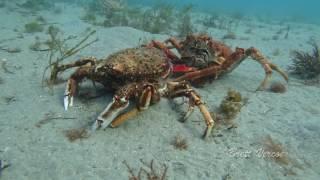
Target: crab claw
<point>69,93</point>
<point>111,112</point>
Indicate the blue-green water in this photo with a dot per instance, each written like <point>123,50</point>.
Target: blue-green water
<point>307,11</point>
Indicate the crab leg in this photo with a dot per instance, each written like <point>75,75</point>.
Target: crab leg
<point>189,111</point>
<point>77,76</point>
<point>232,62</point>
<point>72,85</point>
<point>81,62</point>
<point>117,105</point>
<point>110,116</point>
<point>149,95</point>
<point>268,66</point>
<point>176,44</point>
<point>182,88</point>
<point>124,117</point>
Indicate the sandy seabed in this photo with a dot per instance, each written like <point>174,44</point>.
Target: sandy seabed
<point>43,152</point>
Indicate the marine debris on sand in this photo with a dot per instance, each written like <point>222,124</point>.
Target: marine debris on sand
<point>180,143</point>
<point>149,171</point>
<point>4,66</point>
<point>49,117</point>
<point>3,165</point>
<point>11,50</point>
<point>277,87</point>
<point>75,134</point>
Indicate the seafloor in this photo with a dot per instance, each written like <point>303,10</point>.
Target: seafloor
<point>39,149</point>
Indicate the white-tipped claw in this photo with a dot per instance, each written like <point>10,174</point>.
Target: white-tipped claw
<point>67,101</point>
<point>109,114</point>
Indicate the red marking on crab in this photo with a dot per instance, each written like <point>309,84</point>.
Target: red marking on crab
<point>182,68</point>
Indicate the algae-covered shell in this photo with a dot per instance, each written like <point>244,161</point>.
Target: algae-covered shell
<point>136,63</point>
<point>234,96</point>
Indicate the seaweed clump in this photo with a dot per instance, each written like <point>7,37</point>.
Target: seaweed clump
<point>149,173</point>
<point>275,151</point>
<point>306,65</point>
<point>180,143</point>
<point>74,134</point>
<point>229,107</point>
<point>231,104</point>
<point>158,19</point>
<point>59,50</point>
<point>185,26</point>
<point>33,27</point>
<point>36,5</point>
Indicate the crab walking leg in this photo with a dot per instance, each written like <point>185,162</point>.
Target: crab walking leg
<point>117,105</point>
<point>178,89</point>
<point>72,85</point>
<point>268,66</point>
<point>206,114</point>
<point>176,44</point>
<point>231,63</point>
<point>124,117</point>
<point>147,96</point>
<point>110,116</point>
<point>81,62</point>
<point>163,47</point>
<point>189,111</point>
<point>69,93</point>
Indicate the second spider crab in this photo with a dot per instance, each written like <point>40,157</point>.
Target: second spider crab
<point>137,74</point>
<point>201,58</point>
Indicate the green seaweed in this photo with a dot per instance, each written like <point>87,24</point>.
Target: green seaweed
<point>33,27</point>
<point>211,20</point>
<point>185,25</point>
<point>231,104</point>
<point>36,5</point>
<point>158,19</point>
<point>306,65</point>
<point>89,18</point>
<point>59,50</point>
<point>149,171</point>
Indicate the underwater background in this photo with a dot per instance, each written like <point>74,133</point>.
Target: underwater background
<point>307,10</point>
<point>268,134</point>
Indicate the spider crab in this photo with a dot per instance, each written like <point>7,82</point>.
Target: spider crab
<point>203,58</point>
<point>137,74</point>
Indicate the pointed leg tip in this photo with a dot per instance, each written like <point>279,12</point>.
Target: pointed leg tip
<point>105,124</point>
<point>96,125</point>
<point>207,133</point>
<point>67,102</point>
<point>205,136</point>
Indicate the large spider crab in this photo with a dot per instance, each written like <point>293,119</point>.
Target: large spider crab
<point>203,58</point>
<point>135,73</point>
